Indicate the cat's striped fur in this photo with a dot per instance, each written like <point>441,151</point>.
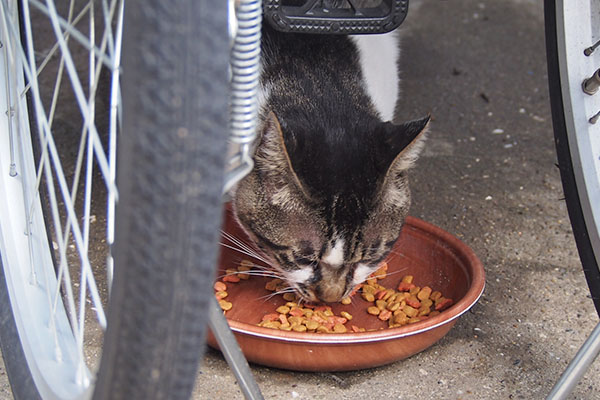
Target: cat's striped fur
<point>329,192</point>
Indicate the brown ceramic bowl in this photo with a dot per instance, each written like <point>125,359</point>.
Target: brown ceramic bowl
<point>434,257</point>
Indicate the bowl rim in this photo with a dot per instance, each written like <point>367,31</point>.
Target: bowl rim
<point>471,297</point>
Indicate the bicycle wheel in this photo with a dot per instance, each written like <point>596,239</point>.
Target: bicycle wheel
<point>61,120</point>
<point>572,29</point>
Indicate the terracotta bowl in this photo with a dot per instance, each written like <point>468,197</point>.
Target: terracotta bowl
<point>434,257</point>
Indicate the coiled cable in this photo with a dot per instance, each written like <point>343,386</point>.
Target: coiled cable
<point>245,75</point>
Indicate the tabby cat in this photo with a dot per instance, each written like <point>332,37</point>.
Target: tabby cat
<point>328,194</point>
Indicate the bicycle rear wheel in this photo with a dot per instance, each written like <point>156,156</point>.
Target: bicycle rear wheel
<point>58,192</point>
<point>571,28</point>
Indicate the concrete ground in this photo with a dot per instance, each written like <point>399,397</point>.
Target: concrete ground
<point>488,175</point>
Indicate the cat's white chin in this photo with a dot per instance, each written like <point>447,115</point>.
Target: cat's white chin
<point>361,273</point>
<point>301,275</point>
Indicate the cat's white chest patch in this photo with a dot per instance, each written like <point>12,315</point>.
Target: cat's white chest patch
<point>379,65</point>
<point>335,255</point>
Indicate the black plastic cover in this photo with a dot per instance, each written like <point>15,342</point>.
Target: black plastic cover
<point>335,16</point>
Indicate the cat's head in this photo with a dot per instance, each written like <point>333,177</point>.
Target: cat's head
<point>326,209</point>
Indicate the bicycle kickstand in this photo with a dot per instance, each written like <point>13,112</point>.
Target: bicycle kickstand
<point>232,353</point>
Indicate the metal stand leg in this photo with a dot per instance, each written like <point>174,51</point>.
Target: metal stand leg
<point>584,357</point>
<point>231,350</point>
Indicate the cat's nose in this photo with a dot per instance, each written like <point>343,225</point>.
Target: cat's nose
<point>330,292</point>
<point>332,285</point>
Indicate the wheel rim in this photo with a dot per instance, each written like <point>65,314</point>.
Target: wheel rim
<point>580,31</point>
<point>52,276</point>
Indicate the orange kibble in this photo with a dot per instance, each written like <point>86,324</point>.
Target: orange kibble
<point>283,309</point>
<point>356,289</point>
<point>413,302</point>
<point>424,293</point>
<point>219,286</point>
<point>270,317</point>
<point>311,325</point>
<point>231,278</point>
<point>221,295</point>
<point>296,312</point>
<point>442,303</point>
<point>384,315</point>
<point>373,310</point>
<point>381,272</point>
<point>272,284</point>
<point>243,268</point>
<point>346,300</point>
<point>410,304</point>
<point>225,305</point>
<point>368,297</point>
<point>435,295</point>
<point>410,311</point>
<point>328,325</point>
<point>369,289</point>
<point>379,295</point>
<point>405,286</point>
<point>381,304</point>
<point>346,315</point>
<point>289,296</point>
<point>299,328</point>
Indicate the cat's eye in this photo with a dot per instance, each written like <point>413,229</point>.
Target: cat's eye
<point>302,260</point>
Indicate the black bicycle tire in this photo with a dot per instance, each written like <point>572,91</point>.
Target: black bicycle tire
<point>175,128</point>
<point>565,163</point>
<point>19,376</point>
<point>170,177</point>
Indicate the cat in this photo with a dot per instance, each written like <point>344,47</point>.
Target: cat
<point>328,194</point>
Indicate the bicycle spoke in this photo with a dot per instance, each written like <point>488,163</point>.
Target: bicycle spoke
<point>58,63</point>
<point>115,113</point>
<point>50,11</point>
<point>55,48</point>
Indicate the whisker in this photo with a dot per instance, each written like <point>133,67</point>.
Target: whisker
<point>394,254</point>
<point>240,243</point>
<point>237,249</point>
<point>263,267</point>
<point>244,246</point>
<point>266,297</point>
<point>262,274</point>
<point>245,252</point>
<point>396,272</point>
<point>273,294</point>
<point>286,290</point>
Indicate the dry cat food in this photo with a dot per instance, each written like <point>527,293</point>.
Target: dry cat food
<point>406,304</point>
<point>231,276</point>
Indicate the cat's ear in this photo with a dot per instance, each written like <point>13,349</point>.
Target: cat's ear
<point>403,143</point>
<point>272,159</point>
